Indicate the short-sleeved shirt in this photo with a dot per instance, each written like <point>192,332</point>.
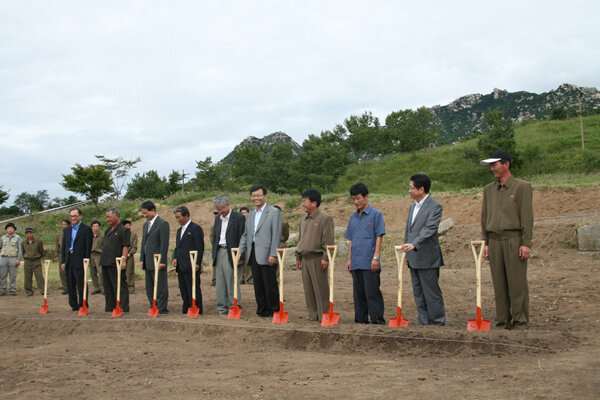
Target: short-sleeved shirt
<point>114,240</point>
<point>363,230</point>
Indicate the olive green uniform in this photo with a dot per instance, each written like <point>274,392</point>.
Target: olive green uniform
<point>10,252</point>
<point>32,254</point>
<point>131,261</point>
<point>63,274</point>
<point>507,224</point>
<point>95,268</point>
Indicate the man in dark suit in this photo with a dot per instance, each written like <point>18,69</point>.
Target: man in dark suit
<point>227,232</point>
<point>155,240</point>
<point>423,252</point>
<point>189,237</point>
<point>76,245</point>
<point>260,242</point>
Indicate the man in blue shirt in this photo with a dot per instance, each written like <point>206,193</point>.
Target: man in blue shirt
<point>365,234</point>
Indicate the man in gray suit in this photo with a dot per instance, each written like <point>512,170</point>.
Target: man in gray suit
<point>155,240</point>
<point>423,252</point>
<point>260,242</point>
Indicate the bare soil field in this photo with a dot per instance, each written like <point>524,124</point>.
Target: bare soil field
<point>61,355</point>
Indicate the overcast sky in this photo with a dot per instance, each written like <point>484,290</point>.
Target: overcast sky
<point>177,81</point>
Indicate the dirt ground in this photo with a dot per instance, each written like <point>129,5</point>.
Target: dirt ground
<point>61,355</point>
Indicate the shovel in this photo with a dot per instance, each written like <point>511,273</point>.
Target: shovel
<point>83,310</point>
<point>330,318</point>
<point>399,321</point>
<point>280,317</point>
<point>44,307</point>
<point>153,311</point>
<point>235,312</point>
<point>478,324</point>
<point>193,311</point>
<point>118,311</point>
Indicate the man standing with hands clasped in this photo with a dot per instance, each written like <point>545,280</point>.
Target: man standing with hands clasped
<point>260,241</point>
<point>315,233</point>
<point>365,234</point>
<point>507,228</point>
<point>116,244</point>
<point>423,252</point>
<point>155,240</point>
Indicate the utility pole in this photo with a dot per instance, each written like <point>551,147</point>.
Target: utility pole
<point>581,119</point>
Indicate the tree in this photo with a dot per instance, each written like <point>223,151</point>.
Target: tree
<point>93,181</point>
<point>209,176</point>
<point>499,135</point>
<point>173,182</point>
<point>29,203</point>
<point>408,130</point>
<point>59,202</point>
<point>3,195</point>
<point>148,185</point>
<point>364,137</point>
<point>119,171</point>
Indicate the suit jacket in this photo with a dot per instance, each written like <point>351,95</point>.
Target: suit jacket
<point>423,234</point>
<point>154,242</point>
<point>266,238</point>
<point>193,239</point>
<point>233,235</point>
<point>82,245</point>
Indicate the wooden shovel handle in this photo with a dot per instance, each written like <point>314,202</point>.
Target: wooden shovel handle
<point>400,255</point>
<point>86,264</point>
<point>280,258</point>
<point>235,255</point>
<point>478,257</point>
<point>156,268</point>
<point>331,253</point>
<point>47,267</point>
<point>193,258</point>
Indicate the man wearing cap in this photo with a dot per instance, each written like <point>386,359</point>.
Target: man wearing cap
<point>58,244</point>
<point>95,267</point>
<point>33,251</point>
<point>11,254</point>
<point>507,228</point>
<point>131,257</point>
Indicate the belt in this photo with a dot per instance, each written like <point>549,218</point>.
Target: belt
<point>503,235</point>
<point>222,246</point>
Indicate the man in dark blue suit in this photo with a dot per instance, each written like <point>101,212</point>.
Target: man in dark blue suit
<point>189,237</point>
<point>423,251</point>
<point>76,245</point>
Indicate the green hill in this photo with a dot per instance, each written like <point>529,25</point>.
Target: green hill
<point>550,151</point>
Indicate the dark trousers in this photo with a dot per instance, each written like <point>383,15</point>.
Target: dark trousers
<point>266,290</point>
<point>428,296</point>
<point>75,285</point>
<point>162,292</point>
<point>109,280</point>
<point>185,287</point>
<point>368,301</point>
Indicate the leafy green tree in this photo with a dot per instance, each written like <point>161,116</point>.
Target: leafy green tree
<point>29,203</point>
<point>119,169</point>
<point>93,181</point>
<point>364,136</point>
<point>3,195</point>
<point>173,182</point>
<point>209,176</point>
<point>408,130</point>
<point>249,163</point>
<point>277,170</point>
<point>558,113</point>
<point>148,185</point>
<point>59,202</point>
<point>498,135</point>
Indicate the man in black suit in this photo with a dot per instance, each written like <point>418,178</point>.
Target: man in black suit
<point>227,232</point>
<point>189,237</point>
<point>155,240</point>
<point>76,245</point>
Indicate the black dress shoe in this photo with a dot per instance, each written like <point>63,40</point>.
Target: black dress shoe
<point>64,292</point>
<point>163,312</point>
<point>97,291</point>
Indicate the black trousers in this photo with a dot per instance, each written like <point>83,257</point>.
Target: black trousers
<point>109,277</point>
<point>185,287</point>
<point>368,301</point>
<point>428,296</point>
<point>162,292</point>
<point>75,285</point>
<point>266,290</point>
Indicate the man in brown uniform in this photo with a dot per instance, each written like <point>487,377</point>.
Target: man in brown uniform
<point>507,227</point>
<point>95,269</point>
<point>59,237</point>
<point>33,251</point>
<point>315,233</point>
<point>246,277</point>
<point>131,258</point>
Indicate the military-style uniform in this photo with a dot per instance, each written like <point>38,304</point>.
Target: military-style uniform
<point>32,254</point>
<point>10,252</point>
<point>131,261</point>
<point>506,225</point>
<point>63,274</point>
<point>95,270</point>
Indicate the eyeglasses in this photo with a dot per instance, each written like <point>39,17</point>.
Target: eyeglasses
<point>257,196</point>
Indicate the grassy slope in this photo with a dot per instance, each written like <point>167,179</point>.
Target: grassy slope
<point>551,151</point>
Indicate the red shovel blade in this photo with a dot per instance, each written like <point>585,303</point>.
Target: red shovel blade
<point>118,311</point>
<point>330,318</point>
<point>44,308</point>
<point>83,310</point>
<point>153,311</point>
<point>235,312</point>
<point>399,321</point>
<point>478,324</point>
<point>280,317</point>
<point>193,311</point>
